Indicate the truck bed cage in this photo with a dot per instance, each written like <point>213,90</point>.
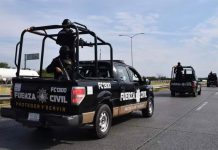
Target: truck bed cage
<point>80,29</point>
<point>184,68</point>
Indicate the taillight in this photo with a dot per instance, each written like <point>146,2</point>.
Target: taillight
<point>77,95</point>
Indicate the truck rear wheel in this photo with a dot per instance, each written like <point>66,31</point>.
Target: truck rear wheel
<point>195,93</point>
<point>173,93</point>
<point>43,128</point>
<point>199,92</point>
<point>102,122</point>
<point>149,110</point>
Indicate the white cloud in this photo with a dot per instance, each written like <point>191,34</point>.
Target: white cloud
<point>101,19</point>
<point>10,25</point>
<point>127,22</point>
<point>205,33</point>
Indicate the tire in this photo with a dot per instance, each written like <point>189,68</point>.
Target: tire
<point>173,93</point>
<point>199,92</point>
<point>43,128</point>
<point>102,122</point>
<point>149,110</point>
<point>195,93</point>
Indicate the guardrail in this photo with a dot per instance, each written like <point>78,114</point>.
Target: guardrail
<point>4,100</point>
<point>161,86</point>
<point>3,97</point>
<point>5,92</point>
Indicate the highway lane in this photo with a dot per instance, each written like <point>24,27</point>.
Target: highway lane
<point>178,123</point>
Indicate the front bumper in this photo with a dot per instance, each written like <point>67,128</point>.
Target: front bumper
<point>44,119</point>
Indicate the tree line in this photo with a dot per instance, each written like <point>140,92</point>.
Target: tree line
<point>4,65</point>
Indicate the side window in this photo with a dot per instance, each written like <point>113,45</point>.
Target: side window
<point>122,74</point>
<point>104,73</point>
<point>134,77</point>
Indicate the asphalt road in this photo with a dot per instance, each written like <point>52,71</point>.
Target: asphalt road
<point>178,123</point>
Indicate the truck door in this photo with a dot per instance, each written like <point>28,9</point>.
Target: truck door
<point>127,88</point>
<point>136,81</point>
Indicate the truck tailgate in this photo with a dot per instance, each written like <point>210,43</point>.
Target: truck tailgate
<point>43,96</point>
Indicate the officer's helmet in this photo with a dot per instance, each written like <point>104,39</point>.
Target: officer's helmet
<point>66,22</point>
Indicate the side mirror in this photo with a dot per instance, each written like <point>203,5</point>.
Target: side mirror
<point>146,81</point>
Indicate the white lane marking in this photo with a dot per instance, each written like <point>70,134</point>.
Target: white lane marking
<point>216,93</point>
<point>200,107</point>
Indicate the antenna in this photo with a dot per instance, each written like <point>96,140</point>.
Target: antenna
<point>100,55</point>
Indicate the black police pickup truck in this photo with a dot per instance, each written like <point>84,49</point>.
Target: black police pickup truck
<point>96,92</point>
<point>212,79</point>
<point>187,82</point>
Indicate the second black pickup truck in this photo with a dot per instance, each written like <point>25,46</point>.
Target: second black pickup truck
<point>212,79</point>
<point>97,91</point>
<point>187,82</point>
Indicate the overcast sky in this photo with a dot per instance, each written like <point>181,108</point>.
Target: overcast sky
<point>175,30</point>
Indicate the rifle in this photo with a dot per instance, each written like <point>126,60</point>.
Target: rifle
<point>65,74</point>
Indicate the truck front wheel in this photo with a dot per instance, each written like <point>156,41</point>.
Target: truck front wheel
<point>102,122</point>
<point>149,110</point>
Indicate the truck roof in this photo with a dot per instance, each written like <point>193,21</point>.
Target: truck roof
<point>102,61</point>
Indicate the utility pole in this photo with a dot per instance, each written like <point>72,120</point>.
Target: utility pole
<point>131,37</point>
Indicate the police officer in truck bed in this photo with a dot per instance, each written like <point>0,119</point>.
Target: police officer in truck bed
<point>66,36</point>
<point>178,71</point>
<point>62,65</point>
